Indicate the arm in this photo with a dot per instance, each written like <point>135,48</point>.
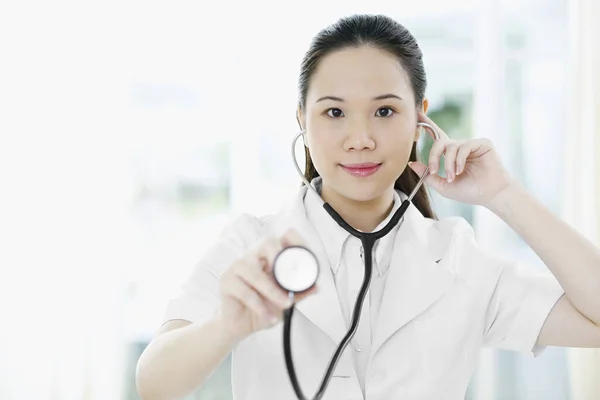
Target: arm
<point>181,358</point>
<point>185,354</point>
<point>193,341</point>
<point>573,260</point>
<point>475,175</point>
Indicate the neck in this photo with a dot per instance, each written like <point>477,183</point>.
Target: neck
<point>361,215</point>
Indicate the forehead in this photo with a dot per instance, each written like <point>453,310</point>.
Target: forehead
<point>363,72</point>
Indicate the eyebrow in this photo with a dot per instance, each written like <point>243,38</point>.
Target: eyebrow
<point>382,97</point>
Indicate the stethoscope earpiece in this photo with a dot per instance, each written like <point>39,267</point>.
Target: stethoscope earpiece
<point>432,131</point>
<point>296,270</point>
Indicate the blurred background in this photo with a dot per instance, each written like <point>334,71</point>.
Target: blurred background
<point>131,132</point>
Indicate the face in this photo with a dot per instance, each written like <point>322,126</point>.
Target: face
<point>361,122</point>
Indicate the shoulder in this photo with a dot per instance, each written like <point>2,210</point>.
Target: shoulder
<point>453,239</point>
<point>452,227</point>
<point>240,234</point>
<point>246,229</point>
<point>243,229</point>
<point>438,235</point>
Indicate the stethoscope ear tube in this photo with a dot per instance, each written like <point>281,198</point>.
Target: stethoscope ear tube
<point>432,131</point>
<point>368,241</point>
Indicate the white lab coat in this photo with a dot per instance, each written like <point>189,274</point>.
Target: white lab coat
<point>444,299</point>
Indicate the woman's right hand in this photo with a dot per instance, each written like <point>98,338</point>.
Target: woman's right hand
<point>251,300</point>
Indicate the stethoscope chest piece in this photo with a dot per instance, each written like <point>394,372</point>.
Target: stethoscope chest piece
<point>296,269</point>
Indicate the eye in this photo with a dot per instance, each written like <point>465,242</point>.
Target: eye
<point>335,113</point>
<point>385,112</point>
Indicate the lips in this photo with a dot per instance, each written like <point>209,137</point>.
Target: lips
<point>361,169</point>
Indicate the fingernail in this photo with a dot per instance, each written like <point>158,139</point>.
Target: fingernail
<point>274,321</point>
<point>449,180</point>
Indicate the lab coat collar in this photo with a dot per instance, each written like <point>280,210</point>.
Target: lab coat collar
<point>335,236</point>
<point>414,281</point>
<point>328,230</point>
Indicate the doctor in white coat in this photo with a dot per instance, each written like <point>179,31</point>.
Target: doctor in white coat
<point>435,298</point>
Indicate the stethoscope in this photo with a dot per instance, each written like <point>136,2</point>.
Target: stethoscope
<point>296,270</point>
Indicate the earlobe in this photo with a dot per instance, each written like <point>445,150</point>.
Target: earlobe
<point>300,119</point>
<point>301,123</point>
<point>304,138</point>
<point>425,107</point>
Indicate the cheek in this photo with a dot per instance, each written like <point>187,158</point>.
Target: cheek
<point>397,146</point>
<point>321,151</point>
<point>397,154</point>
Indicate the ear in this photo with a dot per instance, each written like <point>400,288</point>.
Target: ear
<point>425,105</point>
<point>424,108</point>
<point>302,125</point>
<point>300,117</point>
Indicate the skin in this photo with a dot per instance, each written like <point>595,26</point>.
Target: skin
<point>351,128</point>
<point>356,127</point>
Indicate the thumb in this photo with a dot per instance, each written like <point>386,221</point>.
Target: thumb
<point>433,180</point>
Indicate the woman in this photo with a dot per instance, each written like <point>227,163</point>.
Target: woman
<point>435,297</point>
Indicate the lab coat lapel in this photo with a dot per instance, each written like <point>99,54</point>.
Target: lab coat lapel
<point>415,281</point>
<point>323,307</point>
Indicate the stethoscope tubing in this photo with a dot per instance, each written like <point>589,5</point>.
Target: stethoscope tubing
<point>368,240</point>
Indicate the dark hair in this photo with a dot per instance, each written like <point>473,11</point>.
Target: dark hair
<point>384,33</point>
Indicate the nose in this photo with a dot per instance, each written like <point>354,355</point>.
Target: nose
<point>359,137</point>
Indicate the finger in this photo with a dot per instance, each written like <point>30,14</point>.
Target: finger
<point>479,147</point>
<point>278,311</point>
<point>418,167</point>
<point>292,238</point>
<point>424,118</point>
<point>450,160</point>
<point>275,311</point>
<point>461,158</point>
<point>235,287</point>
<point>262,282</point>
<point>438,148</point>
<point>269,250</point>
<point>434,181</point>
<point>309,292</point>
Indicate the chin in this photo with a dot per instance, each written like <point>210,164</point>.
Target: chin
<point>366,191</point>
<point>362,189</point>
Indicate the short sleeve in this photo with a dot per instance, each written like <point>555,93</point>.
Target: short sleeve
<point>518,308</point>
<point>516,298</point>
<point>199,297</point>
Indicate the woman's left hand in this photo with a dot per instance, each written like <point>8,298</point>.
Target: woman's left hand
<point>474,172</point>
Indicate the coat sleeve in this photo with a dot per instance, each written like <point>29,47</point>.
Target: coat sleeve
<point>516,298</point>
<point>199,296</point>
<point>518,307</point>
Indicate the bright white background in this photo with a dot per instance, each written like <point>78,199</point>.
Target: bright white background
<point>131,132</point>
